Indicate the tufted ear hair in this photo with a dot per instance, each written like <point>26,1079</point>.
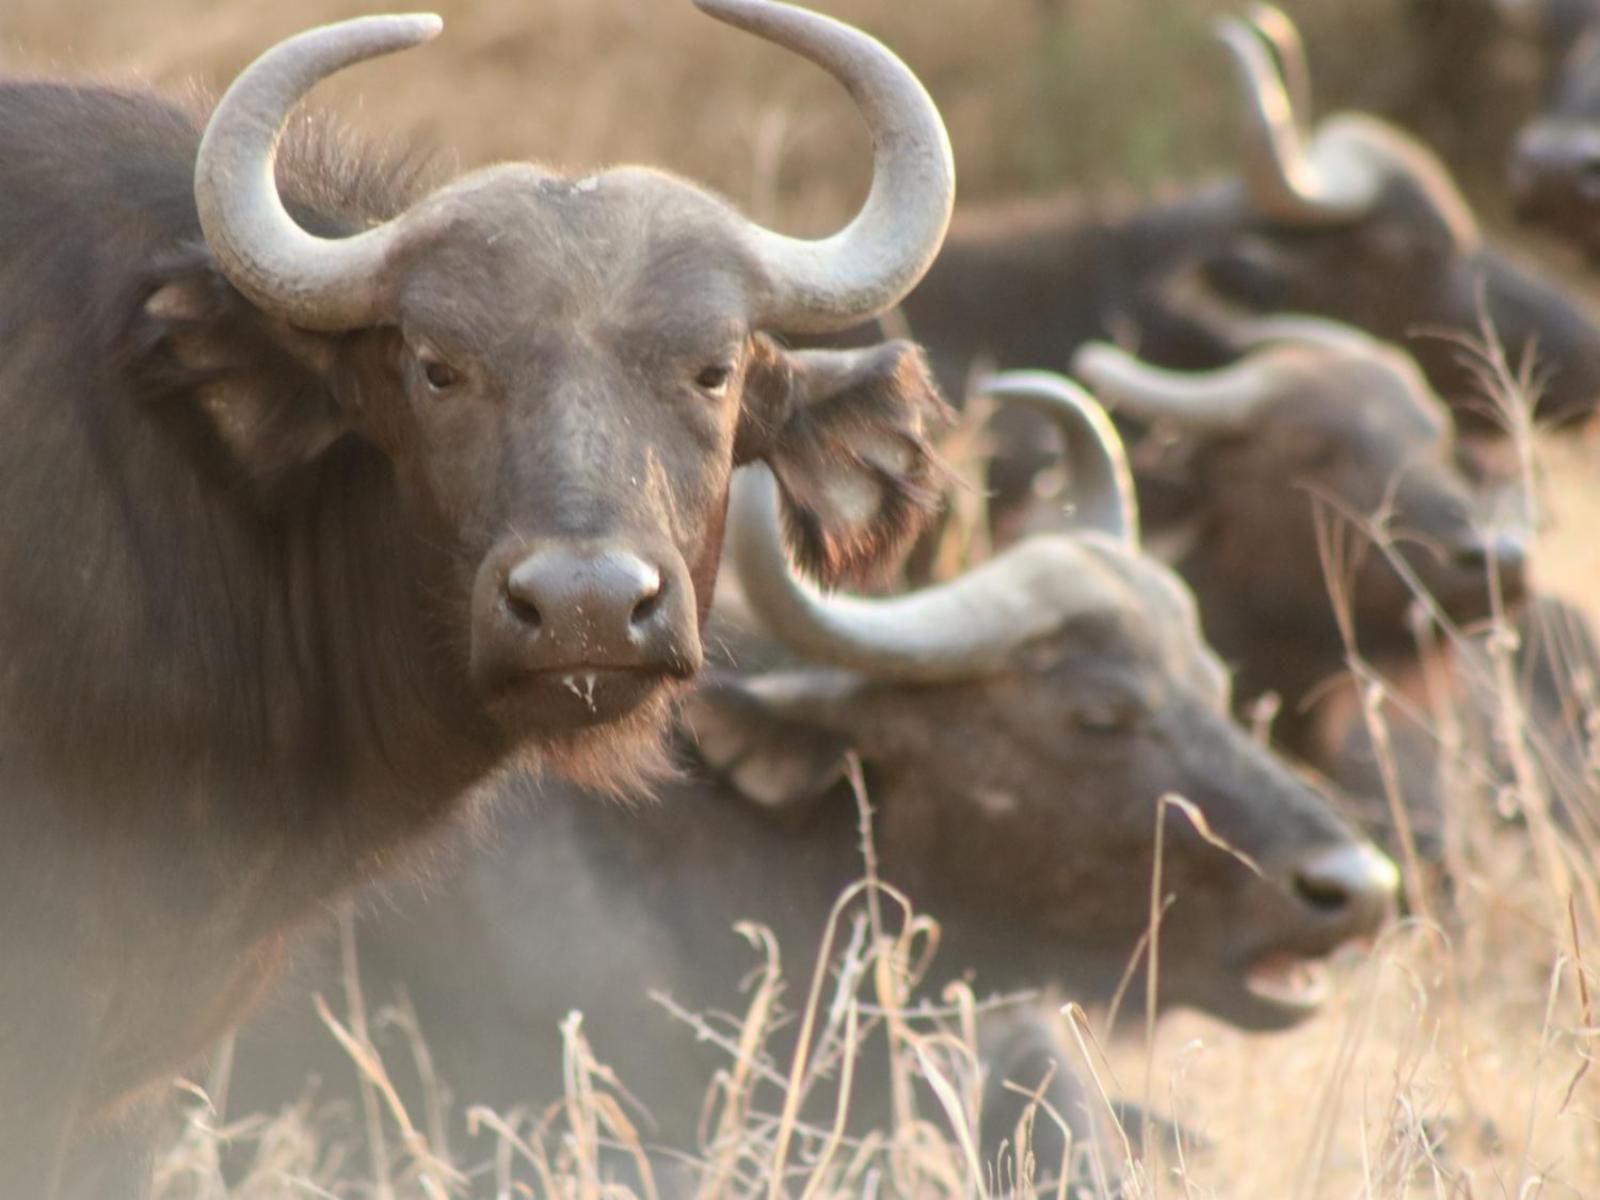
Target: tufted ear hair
<point>846,433</point>
<point>255,388</point>
<point>775,739</point>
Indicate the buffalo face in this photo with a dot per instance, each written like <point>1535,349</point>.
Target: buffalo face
<point>561,437</point>
<point>561,374</point>
<point>566,423</point>
<point>1021,810</point>
<point>1342,459</point>
<point>1322,460</point>
<point>1020,726</point>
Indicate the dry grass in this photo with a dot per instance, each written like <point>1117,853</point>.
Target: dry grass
<point>1455,1063</point>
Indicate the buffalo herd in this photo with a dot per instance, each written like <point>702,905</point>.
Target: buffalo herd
<point>466,547</point>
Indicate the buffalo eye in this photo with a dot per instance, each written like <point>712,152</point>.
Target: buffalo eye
<point>439,375</point>
<point>714,379</point>
<point>1112,715</point>
<point>1250,273</point>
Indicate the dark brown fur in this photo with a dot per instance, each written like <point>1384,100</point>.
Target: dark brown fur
<point>236,568</point>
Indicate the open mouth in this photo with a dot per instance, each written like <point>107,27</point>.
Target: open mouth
<point>1290,982</point>
<point>1284,987</point>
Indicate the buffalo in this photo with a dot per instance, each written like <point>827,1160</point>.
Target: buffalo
<point>1319,425</point>
<point>1354,220</point>
<point>328,493</point>
<point>1018,727</point>
<point>1554,168</point>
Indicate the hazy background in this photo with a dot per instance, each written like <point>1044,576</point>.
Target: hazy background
<point>1038,94</point>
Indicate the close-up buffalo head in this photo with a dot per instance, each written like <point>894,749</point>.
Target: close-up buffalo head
<point>1020,726</point>
<point>562,372</point>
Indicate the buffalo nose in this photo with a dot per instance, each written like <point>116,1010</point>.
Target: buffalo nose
<point>1504,552</point>
<point>613,596</point>
<point>1356,883</point>
<point>576,631</point>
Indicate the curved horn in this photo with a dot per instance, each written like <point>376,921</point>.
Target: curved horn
<point>1302,328</point>
<point>958,629</point>
<point>1220,399</point>
<point>318,283</point>
<point>1275,28</point>
<point>1356,146</point>
<point>1103,496</point>
<point>867,267</point>
<point>1283,180</point>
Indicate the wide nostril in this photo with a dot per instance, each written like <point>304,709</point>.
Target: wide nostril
<point>1324,895</point>
<point>1504,554</point>
<point>650,602</point>
<point>1470,556</point>
<point>1510,560</point>
<point>520,601</point>
<point>524,612</point>
<point>1353,878</point>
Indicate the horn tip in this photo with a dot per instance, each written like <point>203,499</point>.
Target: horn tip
<point>724,8</point>
<point>1227,28</point>
<point>1091,356</point>
<point>426,26</point>
<point>396,31</point>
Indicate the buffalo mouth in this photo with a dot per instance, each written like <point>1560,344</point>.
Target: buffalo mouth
<point>1465,592</point>
<point>1292,983</point>
<point>567,698</point>
<point>1280,987</point>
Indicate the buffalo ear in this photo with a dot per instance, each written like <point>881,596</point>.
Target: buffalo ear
<point>773,738</point>
<point>846,434</point>
<point>250,385</point>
